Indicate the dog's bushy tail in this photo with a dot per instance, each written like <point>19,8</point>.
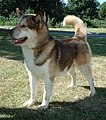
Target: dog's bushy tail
<point>80,28</point>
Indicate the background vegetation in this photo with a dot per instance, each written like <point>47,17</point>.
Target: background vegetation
<point>90,11</point>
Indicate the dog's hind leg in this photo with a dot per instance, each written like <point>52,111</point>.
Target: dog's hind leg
<point>86,71</point>
<point>47,93</point>
<point>33,90</point>
<point>72,74</point>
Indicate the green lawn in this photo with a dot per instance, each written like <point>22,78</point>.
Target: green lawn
<point>66,103</point>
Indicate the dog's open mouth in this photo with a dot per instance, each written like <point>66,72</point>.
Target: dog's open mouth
<point>16,41</point>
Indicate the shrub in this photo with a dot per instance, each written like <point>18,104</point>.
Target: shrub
<point>11,21</point>
<point>28,11</point>
<point>51,22</point>
<point>2,20</point>
<point>96,23</point>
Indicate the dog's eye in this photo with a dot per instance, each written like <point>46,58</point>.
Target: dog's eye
<point>23,26</point>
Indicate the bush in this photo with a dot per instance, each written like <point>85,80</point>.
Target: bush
<point>2,20</point>
<point>99,23</point>
<point>11,21</point>
<point>52,23</point>
<point>96,23</point>
<point>28,11</point>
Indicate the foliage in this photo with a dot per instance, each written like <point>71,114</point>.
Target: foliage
<point>8,21</point>
<point>52,23</point>
<point>53,8</point>
<point>96,23</point>
<point>84,8</point>
<point>102,11</point>
<point>8,6</point>
<point>88,10</point>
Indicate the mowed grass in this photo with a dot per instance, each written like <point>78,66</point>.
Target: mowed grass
<point>93,30</point>
<point>66,103</point>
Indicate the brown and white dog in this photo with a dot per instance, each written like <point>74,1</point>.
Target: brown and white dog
<point>46,57</point>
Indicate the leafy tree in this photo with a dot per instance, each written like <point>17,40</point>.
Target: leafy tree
<point>8,6</point>
<point>84,8</point>
<point>53,8</point>
<point>102,11</point>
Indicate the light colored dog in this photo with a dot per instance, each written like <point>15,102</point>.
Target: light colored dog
<point>46,57</point>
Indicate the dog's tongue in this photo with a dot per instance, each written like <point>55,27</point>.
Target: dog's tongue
<point>16,41</point>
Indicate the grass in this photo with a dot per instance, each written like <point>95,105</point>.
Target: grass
<point>93,30</point>
<point>66,103</point>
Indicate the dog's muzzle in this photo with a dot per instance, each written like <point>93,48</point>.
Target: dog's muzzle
<point>17,41</point>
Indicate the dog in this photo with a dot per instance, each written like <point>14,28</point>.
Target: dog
<point>46,57</point>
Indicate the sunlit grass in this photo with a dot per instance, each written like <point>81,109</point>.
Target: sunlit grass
<point>93,30</point>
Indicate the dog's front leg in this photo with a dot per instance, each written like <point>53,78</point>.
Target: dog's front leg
<point>47,93</point>
<point>33,90</point>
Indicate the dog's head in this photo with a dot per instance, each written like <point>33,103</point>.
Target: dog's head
<point>29,29</point>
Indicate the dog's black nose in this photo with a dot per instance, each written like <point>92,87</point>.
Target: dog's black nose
<point>11,32</point>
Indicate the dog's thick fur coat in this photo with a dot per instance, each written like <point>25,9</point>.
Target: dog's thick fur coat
<point>46,57</point>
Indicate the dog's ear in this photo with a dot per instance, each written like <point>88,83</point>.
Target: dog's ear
<point>39,17</point>
<point>18,12</point>
<point>38,20</point>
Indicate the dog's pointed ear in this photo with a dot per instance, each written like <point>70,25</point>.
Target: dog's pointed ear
<point>39,17</point>
<point>38,20</point>
<point>18,12</point>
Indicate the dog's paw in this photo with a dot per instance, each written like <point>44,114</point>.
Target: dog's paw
<point>70,85</point>
<point>28,103</point>
<point>92,94</point>
<point>43,107</point>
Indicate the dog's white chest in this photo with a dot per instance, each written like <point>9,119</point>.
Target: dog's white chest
<point>39,71</point>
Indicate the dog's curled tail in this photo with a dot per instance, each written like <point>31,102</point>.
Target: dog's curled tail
<point>80,28</point>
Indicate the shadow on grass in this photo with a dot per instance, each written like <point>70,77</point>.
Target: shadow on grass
<point>71,33</point>
<point>90,108</point>
<point>98,46</point>
<point>8,50</point>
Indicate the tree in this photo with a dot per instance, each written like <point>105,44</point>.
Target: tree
<point>53,8</point>
<point>8,6</point>
<point>84,8</point>
<point>102,11</point>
